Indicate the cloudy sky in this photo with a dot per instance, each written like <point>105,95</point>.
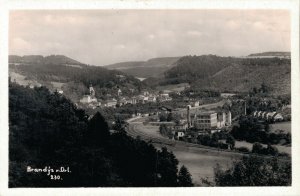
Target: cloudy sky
<point>102,37</point>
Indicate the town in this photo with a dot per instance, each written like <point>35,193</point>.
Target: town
<point>191,121</point>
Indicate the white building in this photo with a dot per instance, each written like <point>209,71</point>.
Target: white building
<point>87,99</point>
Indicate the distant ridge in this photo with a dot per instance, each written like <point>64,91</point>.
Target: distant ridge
<point>271,54</point>
<point>39,59</point>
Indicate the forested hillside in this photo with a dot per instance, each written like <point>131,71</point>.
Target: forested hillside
<point>74,80</point>
<point>145,69</point>
<point>229,74</point>
<point>46,130</point>
<point>34,59</point>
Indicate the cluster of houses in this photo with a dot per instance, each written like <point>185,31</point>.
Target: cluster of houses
<point>270,116</point>
<point>143,97</point>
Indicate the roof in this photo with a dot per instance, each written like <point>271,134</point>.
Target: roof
<point>206,112</point>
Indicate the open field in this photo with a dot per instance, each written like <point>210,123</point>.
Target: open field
<point>173,87</point>
<point>285,149</point>
<point>285,126</point>
<point>199,161</point>
<point>21,79</point>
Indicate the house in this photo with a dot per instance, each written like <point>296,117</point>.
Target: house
<point>181,126</point>
<point>196,104</point>
<point>111,103</point>
<point>140,99</point>
<point>145,93</point>
<point>278,117</point>
<point>132,100</point>
<point>164,97</point>
<point>227,95</point>
<point>179,134</point>
<point>122,101</point>
<point>152,99</point>
<point>270,115</point>
<point>259,114</point>
<point>255,114</point>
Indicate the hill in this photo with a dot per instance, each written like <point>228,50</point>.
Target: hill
<point>145,69</point>
<point>228,73</point>
<point>271,54</point>
<point>73,77</point>
<point>39,59</point>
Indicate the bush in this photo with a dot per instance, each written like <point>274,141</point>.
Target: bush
<point>242,149</point>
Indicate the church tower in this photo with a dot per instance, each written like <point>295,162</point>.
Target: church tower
<point>92,91</point>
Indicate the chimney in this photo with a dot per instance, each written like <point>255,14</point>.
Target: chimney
<point>188,115</point>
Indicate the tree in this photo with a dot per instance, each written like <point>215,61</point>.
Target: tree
<point>167,168</point>
<point>119,125</point>
<point>255,171</point>
<point>231,141</point>
<point>257,148</point>
<point>162,117</point>
<point>170,117</point>
<point>98,131</point>
<point>184,177</point>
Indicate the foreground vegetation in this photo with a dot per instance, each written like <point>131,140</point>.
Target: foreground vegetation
<point>46,130</point>
<point>255,171</point>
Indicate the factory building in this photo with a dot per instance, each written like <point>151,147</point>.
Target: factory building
<point>208,120</point>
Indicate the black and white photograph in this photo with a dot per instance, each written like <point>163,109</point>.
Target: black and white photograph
<point>151,98</point>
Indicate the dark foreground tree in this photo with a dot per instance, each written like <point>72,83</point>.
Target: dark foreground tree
<point>255,171</point>
<point>184,177</point>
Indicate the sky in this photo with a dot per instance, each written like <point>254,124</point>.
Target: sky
<point>102,37</point>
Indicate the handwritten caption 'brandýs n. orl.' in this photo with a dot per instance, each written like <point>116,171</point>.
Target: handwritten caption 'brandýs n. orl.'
<point>53,173</point>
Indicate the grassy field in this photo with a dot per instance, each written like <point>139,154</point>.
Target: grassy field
<point>173,87</point>
<point>286,149</point>
<point>200,162</point>
<point>285,126</point>
<point>21,79</point>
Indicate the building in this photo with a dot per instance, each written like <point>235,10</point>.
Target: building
<point>111,103</point>
<point>205,120</point>
<point>122,101</point>
<point>152,99</point>
<point>179,135</point>
<point>227,95</point>
<point>228,118</point>
<point>208,120</point>
<point>180,127</point>
<point>278,117</point>
<point>221,120</point>
<point>87,99</point>
<point>132,100</point>
<point>196,104</point>
<point>275,116</point>
<point>270,115</point>
<point>119,92</point>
